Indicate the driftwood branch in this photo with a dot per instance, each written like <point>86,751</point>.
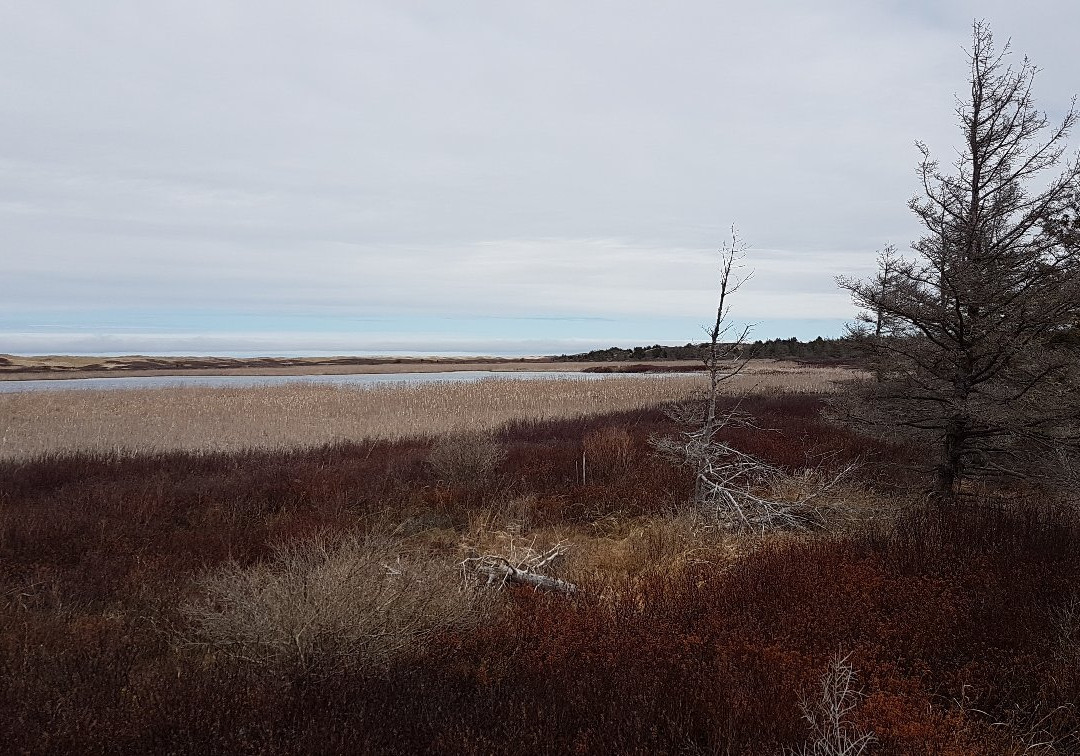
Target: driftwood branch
<point>507,573</point>
<point>524,570</point>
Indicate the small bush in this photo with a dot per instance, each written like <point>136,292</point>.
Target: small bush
<point>321,606</point>
<point>833,733</point>
<point>609,451</point>
<point>466,459</point>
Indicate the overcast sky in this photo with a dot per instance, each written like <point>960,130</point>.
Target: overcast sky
<point>512,176</point>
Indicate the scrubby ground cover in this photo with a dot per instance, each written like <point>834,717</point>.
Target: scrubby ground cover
<point>313,600</point>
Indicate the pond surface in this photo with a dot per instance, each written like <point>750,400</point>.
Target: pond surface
<point>243,381</point>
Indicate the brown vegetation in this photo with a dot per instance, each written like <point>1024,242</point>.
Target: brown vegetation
<point>202,419</point>
<point>465,459</point>
<point>230,603</point>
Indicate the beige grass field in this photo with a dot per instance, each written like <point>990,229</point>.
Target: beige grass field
<point>132,421</point>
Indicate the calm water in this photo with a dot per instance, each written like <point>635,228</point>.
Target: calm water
<point>359,379</point>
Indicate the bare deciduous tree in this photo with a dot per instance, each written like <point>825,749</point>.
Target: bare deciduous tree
<point>966,339</point>
<point>733,489</point>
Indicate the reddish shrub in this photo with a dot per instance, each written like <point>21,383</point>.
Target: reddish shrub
<point>946,614</point>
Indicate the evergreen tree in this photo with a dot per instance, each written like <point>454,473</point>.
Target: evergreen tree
<point>965,339</point>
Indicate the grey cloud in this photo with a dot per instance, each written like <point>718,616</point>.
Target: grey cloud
<point>478,158</point>
<point>552,277</point>
<point>282,343</point>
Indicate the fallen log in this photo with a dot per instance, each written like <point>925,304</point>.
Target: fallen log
<point>524,569</point>
<point>507,573</point>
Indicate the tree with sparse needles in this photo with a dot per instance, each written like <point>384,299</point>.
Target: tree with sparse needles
<point>973,342</point>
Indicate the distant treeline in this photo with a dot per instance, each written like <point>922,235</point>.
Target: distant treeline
<point>818,350</point>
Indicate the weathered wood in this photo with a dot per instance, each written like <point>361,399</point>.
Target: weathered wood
<point>509,574</point>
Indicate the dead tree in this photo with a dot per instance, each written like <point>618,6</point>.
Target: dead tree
<point>966,339</point>
<point>732,489</point>
<point>885,281</point>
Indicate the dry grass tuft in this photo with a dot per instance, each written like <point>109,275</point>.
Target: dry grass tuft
<point>609,451</point>
<point>620,553</point>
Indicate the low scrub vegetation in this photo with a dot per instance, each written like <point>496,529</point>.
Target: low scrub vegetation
<point>321,600</point>
<point>322,605</point>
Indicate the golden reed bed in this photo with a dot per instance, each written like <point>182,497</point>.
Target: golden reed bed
<point>132,421</point>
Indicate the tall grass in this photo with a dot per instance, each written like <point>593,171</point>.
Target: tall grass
<point>303,415</point>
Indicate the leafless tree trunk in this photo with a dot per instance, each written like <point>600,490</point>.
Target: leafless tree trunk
<point>731,487</point>
<point>717,358</point>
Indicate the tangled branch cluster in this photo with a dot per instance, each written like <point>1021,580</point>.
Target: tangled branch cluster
<point>736,491</point>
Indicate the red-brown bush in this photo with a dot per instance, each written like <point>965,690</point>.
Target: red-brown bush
<point>945,613</point>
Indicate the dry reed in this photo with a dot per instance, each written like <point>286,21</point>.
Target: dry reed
<point>202,419</point>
